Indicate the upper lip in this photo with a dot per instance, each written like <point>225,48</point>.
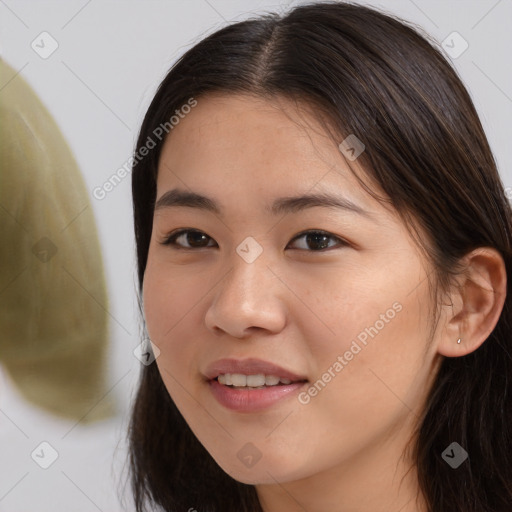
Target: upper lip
<point>250,366</point>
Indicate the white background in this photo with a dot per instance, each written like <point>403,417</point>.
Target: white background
<point>97,85</point>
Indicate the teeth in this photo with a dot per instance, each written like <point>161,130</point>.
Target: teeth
<point>271,380</point>
<point>240,380</point>
<point>254,381</point>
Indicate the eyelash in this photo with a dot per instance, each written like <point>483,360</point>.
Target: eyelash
<point>171,239</point>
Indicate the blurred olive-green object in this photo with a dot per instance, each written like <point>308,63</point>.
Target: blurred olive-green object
<point>54,340</point>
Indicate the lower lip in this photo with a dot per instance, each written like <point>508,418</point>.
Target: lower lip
<point>250,400</point>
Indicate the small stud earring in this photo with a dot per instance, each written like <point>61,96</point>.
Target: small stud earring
<point>458,341</point>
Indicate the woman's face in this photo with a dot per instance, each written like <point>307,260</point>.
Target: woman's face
<point>345,309</point>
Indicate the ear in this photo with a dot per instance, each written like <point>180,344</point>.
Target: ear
<point>477,301</point>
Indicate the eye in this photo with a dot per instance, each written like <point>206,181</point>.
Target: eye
<point>317,239</point>
<point>193,237</point>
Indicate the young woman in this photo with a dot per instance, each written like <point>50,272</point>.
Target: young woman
<point>323,245</point>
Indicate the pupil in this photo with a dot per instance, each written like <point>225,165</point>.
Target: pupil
<point>316,237</point>
<point>192,234</point>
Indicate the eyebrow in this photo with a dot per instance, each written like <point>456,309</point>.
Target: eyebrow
<point>281,205</point>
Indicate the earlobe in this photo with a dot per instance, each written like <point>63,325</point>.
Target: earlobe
<point>479,298</point>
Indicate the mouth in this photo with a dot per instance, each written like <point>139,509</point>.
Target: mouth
<point>250,385</point>
<point>253,396</point>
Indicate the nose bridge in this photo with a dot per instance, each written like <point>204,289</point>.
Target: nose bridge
<point>247,296</point>
<point>249,270</point>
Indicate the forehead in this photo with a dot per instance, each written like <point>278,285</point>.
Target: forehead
<point>241,129</point>
<point>243,141</point>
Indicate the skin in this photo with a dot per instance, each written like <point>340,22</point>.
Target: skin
<point>301,308</point>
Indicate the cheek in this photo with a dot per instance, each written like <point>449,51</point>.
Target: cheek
<point>381,378</point>
<point>153,298</point>
<point>167,300</point>
<point>379,329</point>
<point>167,310</point>
<point>174,319</point>
<point>343,310</point>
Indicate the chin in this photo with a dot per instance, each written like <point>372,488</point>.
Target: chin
<point>263,472</point>
<point>252,477</point>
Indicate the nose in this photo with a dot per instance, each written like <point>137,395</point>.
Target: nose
<point>250,297</point>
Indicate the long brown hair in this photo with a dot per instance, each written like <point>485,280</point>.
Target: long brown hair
<point>370,74</point>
